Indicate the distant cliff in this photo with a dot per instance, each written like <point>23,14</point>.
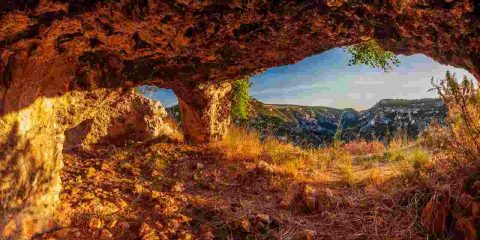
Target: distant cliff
<point>316,126</point>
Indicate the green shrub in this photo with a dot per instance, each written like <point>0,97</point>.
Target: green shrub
<point>240,99</point>
<point>461,138</point>
<point>371,54</point>
<point>337,138</point>
<point>419,158</point>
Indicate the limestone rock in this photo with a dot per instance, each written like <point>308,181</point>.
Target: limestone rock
<point>243,225</point>
<point>205,112</point>
<point>132,117</point>
<point>308,235</point>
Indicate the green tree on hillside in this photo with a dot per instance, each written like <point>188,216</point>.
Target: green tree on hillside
<point>240,99</point>
<point>371,54</point>
<point>337,138</point>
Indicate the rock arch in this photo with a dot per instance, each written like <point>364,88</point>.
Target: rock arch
<point>60,60</point>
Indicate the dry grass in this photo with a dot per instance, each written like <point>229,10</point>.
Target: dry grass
<point>240,145</point>
<point>362,147</point>
<point>377,196</point>
<point>348,164</point>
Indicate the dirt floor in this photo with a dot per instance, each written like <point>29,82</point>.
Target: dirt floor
<point>177,191</point>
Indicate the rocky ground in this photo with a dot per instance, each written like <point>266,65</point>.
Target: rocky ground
<point>177,191</point>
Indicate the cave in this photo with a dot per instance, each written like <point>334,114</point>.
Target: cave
<point>62,60</point>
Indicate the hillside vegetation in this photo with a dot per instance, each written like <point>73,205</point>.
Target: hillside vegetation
<point>316,126</point>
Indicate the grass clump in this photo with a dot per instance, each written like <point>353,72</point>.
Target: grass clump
<point>240,144</point>
<point>362,147</point>
<point>418,158</point>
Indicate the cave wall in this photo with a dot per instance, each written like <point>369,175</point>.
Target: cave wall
<point>37,109</point>
<point>61,60</point>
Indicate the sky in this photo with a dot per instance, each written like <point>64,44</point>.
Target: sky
<point>327,80</point>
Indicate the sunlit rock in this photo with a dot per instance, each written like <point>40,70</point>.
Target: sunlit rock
<point>131,118</point>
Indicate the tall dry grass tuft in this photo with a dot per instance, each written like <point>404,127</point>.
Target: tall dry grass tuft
<point>245,144</point>
<point>362,147</point>
<point>240,144</point>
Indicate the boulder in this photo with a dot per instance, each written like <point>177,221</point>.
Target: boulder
<point>132,117</point>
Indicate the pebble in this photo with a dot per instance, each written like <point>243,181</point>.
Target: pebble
<point>95,223</point>
<point>200,166</point>
<point>105,234</point>
<point>263,218</point>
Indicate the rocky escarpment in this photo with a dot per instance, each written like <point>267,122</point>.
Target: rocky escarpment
<point>53,51</point>
<point>316,126</point>
<point>303,125</point>
<point>390,117</point>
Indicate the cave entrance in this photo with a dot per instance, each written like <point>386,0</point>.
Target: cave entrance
<point>309,102</point>
<point>165,96</point>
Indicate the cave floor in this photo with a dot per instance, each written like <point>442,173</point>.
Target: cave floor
<point>178,191</point>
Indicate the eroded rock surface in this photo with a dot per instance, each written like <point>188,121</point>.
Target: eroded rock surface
<point>131,118</point>
<point>205,112</point>
<point>32,140</point>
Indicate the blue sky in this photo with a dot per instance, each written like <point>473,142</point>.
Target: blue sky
<point>326,80</point>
